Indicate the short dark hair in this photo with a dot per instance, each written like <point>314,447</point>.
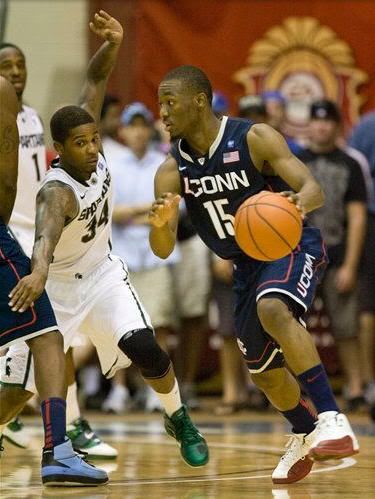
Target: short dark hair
<point>193,78</point>
<point>109,100</point>
<point>6,45</point>
<point>65,119</point>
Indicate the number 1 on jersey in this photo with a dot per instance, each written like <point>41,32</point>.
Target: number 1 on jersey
<point>223,222</point>
<point>36,162</point>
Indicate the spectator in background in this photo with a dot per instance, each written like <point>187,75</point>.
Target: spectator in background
<point>133,179</point>
<point>275,105</point>
<point>363,139</point>
<point>342,221</point>
<point>109,126</point>
<point>252,107</point>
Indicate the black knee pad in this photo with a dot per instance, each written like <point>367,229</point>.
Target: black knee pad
<point>143,350</point>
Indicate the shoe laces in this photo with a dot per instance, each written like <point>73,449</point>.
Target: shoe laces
<point>291,447</point>
<point>186,431</point>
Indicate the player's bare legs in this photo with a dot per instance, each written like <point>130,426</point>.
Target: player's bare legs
<point>49,364</point>
<point>280,386</point>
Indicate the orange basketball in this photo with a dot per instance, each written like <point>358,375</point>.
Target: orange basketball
<point>267,226</point>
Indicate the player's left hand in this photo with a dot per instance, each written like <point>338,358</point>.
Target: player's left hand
<point>345,279</point>
<point>28,289</point>
<point>107,27</point>
<point>295,198</point>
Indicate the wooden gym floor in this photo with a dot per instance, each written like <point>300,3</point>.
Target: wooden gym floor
<point>244,450</point>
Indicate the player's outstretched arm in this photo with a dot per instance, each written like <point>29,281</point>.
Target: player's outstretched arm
<point>163,216</point>
<point>266,145</point>
<point>56,206</point>
<point>8,148</point>
<point>102,62</point>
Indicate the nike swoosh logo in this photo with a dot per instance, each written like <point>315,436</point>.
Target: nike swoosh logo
<point>182,168</point>
<point>82,196</point>
<point>310,380</point>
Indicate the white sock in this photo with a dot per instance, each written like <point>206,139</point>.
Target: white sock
<point>171,401</point>
<point>72,407</point>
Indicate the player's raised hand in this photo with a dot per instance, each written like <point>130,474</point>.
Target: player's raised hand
<point>164,209</point>
<point>28,289</point>
<point>107,27</point>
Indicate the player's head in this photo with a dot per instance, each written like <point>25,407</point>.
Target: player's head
<point>185,95</point>
<point>13,67</point>
<point>325,123</point>
<point>76,139</point>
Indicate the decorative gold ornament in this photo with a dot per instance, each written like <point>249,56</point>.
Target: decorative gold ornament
<point>305,61</point>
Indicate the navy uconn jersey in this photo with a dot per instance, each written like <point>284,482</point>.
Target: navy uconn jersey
<point>214,186</point>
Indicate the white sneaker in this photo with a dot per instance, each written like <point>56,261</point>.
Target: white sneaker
<point>295,464</point>
<point>16,434</point>
<point>334,437</point>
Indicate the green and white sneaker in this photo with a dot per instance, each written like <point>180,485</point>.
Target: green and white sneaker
<point>84,439</point>
<point>193,446</point>
<point>16,434</point>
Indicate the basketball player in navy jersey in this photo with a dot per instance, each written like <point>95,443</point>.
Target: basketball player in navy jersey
<point>37,326</point>
<point>215,165</point>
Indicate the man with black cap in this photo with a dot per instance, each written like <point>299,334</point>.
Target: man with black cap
<point>342,221</point>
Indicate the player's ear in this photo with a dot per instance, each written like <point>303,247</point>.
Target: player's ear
<point>201,100</point>
<point>58,147</point>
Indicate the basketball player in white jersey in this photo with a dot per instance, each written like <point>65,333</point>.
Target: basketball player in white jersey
<point>32,166</point>
<point>88,287</point>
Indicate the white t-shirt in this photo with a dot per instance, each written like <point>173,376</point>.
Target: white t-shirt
<point>133,181</point>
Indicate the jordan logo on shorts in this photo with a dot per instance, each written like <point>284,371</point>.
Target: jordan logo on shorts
<point>307,273</point>
<point>242,347</point>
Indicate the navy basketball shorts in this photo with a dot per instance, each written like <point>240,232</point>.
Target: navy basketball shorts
<point>292,279</point>
<point>15,326</point>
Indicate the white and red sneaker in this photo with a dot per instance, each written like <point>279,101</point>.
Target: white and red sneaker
<point>295,464</point>
<point>334,437</point>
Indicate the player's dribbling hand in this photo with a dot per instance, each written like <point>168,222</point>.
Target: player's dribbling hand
<point>107,27</point>
<point>164,209</point>
<point>294,198</point>
<point>28,289</point>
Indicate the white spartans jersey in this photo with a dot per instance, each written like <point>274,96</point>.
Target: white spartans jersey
<point>85,241</point>
<point>32,166</point>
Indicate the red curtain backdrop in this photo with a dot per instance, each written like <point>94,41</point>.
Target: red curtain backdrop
<point>217,36</point>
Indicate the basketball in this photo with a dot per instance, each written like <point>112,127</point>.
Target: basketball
<point>267,226</point>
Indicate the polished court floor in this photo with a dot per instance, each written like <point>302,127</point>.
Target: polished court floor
<point>244,450</point>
